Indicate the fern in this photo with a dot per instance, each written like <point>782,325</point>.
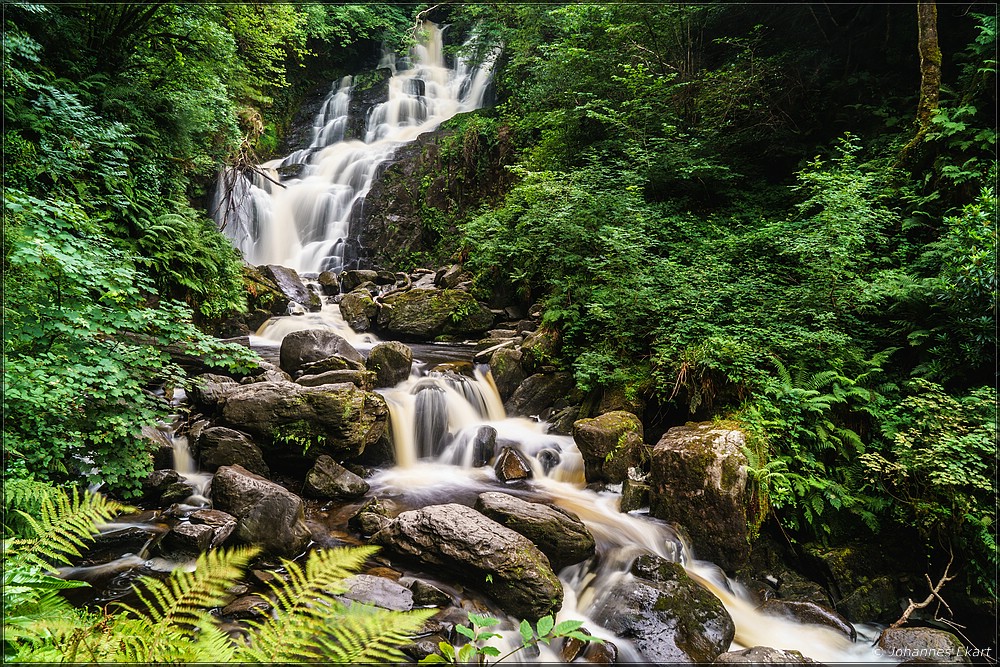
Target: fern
<point>307,601</point>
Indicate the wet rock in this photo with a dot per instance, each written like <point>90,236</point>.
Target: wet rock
<point>352,280</point>
<point>328,479</point>
<point>360,379</point>
<point>302,347</point>
<point>267,372</point>
<point>267,514</point>
<point>635,490</point>
<point>359,309</point>
<point>370,518</point>
<point>248,606</point>
<point>289,284</point>
<point>158,481</point>
<point>426,594</point>
<point>548,458</point>
<point>668,616</point>
<point>220,446</point>
<point>481,553</point>
<point>450,276</point>
<point>511,466</point>
<point>484,446</point>
<point>698,479</point>
<point>177,492</point>
<point>422,648</point>
<point>379,454</point>
<point>810,612</point>
<point>425,314</point>
<point>329,364</point>
<point>610,444</point>
<point>540,349</point>
<point>558,533</point>
<point>391,362</point>
<point>264,297</point>
<point>189,538</point>
<point>605,653</point>
<point>209,390</point>
<point>463,368</point>
<point>329,283</point>
<point>538,393</point>
<point>762,655</point>
<point>923,645</point>
<point>377,591</point>
<point>507,372</point>
<point>330,419</point>
<point>222,524</point>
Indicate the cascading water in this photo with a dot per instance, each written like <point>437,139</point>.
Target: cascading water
<point>305,223</point>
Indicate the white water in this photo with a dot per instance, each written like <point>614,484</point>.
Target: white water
<point>306,225</point>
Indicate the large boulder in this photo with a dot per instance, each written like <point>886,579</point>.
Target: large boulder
<point>668,617</point>
<point>329,479</point>
<point>558,533</point>
<point>267,514</point>
<point>219,446</point>
<point>540,349</point>
<point>762,655</point>
<point>359,309</point>
<point>288,283</point>
<point>425,314</point>
<point>209,390</point>
<point>810,612</point>
<point>355,278</point>
<point>698,479</point>
<point>507,372</point>
<point>337,419</point>
<point>538,393</point>
<point>924,645</point>
<point>304,347</point>
<point>391,362</point>
<point>610,444</point>
<point>264,297</point>
<point>481,553</point>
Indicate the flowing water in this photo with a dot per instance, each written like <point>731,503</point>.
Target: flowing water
<point>437,418</point>
<point>305,223</point>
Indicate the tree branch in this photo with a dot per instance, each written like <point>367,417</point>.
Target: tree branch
<point>935,593</point>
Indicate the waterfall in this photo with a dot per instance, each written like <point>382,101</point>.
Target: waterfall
<point>306,222</point>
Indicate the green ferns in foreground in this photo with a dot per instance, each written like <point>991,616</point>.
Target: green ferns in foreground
<point>174,623</point>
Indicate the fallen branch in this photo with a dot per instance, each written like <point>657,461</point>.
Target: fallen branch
<point>935,593</point>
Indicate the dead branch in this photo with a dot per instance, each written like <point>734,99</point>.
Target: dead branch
<point>935,593</point>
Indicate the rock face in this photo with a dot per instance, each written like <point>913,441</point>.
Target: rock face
<point>923,645</point>
<point>219,446</point>
<point>610,445</point>
<point>337,418</point>
<point>558,533</point>
<point>266,514</point>
<point>303,347</point>
<point>462,541</point>
<point>391,362</point>
<point>209,390</point>
<point>329,479</point>
<point>425,314</point>
<point>668,616</point>
<point>511,466</point>
<point>698,479</point>
<point>289,284</point>
<point>539,392</point>
<point>540,348</point>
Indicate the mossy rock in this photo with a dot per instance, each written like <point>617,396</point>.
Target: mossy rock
<point>426,314</point>
<point>610,444</point>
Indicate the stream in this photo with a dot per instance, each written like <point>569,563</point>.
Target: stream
<point>307,224</point>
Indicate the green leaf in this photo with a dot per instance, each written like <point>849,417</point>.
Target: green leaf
<point>447,650</point>
<point>432,659</point>
<point>465,631</point>
<point>566,626</point>
<point>545,624</point>
<point>466,652</point>
<point>491,651</point>
<point>527,634</point>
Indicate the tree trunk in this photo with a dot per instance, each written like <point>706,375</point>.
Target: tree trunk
<point>930,64</point>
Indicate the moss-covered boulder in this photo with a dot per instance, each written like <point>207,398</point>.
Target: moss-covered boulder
<point>538,393</point>
<point>668,617</point>
<point>425,314</point>
<point>507,372</point>
<point>698,479</point>
<point>339,420</point>
<point>359,309</point>
<point>540,349</point>
<point>478,552</point>
<point>610,444</point>
<point>288,283</point>
<point>763,655</point>
<point>301,348</point>
<point>924,645</point>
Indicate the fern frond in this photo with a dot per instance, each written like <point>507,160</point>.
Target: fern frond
<point>173,606</point>
<point>65,521</point>
<point>365,634</point>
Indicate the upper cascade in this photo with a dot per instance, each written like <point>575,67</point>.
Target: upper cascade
<point>305,222</point>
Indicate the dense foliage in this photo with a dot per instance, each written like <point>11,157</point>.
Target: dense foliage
<point>721,216</point>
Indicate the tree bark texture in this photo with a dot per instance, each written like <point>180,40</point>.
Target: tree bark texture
<point>930,63</point>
